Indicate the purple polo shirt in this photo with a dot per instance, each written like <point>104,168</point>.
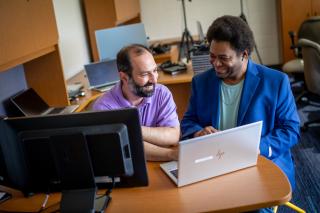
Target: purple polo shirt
<point>159,110</point>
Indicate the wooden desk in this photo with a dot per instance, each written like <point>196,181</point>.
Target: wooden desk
<point>172,55</point>
<point>256,187</point>
<point>90,95</point>
<point>179,85</point>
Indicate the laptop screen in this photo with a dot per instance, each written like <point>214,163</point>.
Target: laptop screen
<point>30,103</point>
<point>102,73</point>
<point>200,31</point>
<point>111,40</point>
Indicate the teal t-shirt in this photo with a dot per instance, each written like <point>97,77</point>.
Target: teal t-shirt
<point>230,96</point>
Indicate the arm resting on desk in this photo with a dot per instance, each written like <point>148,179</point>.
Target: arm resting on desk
<point>157,153</point>
<point>161,136</point>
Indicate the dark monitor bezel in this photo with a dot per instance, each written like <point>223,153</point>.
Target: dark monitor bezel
<point>13,149</point>
<point>22,102</point>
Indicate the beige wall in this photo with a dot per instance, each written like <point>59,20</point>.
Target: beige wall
<point>164,19</point>
<point>72,36</point>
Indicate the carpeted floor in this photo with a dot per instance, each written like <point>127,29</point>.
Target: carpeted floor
<point>307,161</point>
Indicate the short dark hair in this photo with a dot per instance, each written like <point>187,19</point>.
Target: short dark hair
<point>123,56</point>
<point>233,30</point>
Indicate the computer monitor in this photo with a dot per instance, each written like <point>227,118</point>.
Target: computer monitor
<point>25,143</point>
<point>102,73</point>
<point>111,40</point>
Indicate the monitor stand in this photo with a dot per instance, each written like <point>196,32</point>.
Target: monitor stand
<point>73,162</point>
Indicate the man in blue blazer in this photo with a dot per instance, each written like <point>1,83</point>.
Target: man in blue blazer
<point>237,91</point>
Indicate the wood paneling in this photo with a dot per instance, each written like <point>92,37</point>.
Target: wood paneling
<point>102,14</point>
<point>29,36</point>
<point>293,13</point>
<point>45,75</point>
<point>315,8</point>
<point>26,28</point>
<point>126,10</point>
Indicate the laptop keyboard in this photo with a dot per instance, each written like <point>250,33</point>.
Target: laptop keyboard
<point>174,173</point>
<point>104,88</point>
<point>56,110</point>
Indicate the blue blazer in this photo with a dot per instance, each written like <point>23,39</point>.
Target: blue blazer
<point>266,96</point>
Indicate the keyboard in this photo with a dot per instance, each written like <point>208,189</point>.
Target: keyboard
<point>56,110</point>
<point>174,173</point>
<point>104,88</point>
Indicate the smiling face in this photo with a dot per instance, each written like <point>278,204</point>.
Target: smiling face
<point>229,65</point>
<point>144,75</point>
<point>141,82</point>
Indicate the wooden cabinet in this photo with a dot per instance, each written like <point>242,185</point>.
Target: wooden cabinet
<point>293,13</point>
<point>27,27</point>
<point>29,36</point>
<point>101,14</point>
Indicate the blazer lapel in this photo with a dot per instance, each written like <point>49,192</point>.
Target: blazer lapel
<point>214,103</point>
<point>250,85</point>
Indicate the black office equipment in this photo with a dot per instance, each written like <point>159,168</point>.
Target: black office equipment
<point>172,68</point>
<point>72,159</point>
<point>30,103</point>
<point>28,156</point>
<point>4,196</point>
<point>186,38</point>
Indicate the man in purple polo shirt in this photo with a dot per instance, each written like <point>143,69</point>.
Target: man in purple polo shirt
<point>157,111</point>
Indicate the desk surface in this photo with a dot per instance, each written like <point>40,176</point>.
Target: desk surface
<point>252,188</point>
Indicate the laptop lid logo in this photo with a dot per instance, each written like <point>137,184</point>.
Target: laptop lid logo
<point>220,154</point>
<point>200,160</point>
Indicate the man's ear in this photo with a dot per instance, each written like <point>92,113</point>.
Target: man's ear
<point>123,77</point>
<point>245,54</point>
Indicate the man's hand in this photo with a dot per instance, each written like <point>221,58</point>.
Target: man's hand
<point>173,154</point>
<point>205,131</point>
<point>157,153</point>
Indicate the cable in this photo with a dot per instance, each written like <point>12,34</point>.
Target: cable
<point>186,37</point>
<point>107,197</point>
<point>243,17</point>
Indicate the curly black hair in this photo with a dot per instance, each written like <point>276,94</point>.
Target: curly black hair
<point>234,30</point>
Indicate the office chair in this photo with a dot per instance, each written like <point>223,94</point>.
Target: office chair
<point>308,30</point>
<point>291,206</point>
<point>311,57</point>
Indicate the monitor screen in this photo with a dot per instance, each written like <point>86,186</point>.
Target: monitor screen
<point>111,40</point>
<point>29,102</point>
<point>29,159</point>
<point>102,73</point>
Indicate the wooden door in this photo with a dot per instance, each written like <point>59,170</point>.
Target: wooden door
<point>315,7</point>
<point>293,13</point>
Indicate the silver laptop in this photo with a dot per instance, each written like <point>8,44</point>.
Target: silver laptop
<point>102,75</point>
<point>215,154</point>
<point>200,32</point>
<point>30,103</point>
